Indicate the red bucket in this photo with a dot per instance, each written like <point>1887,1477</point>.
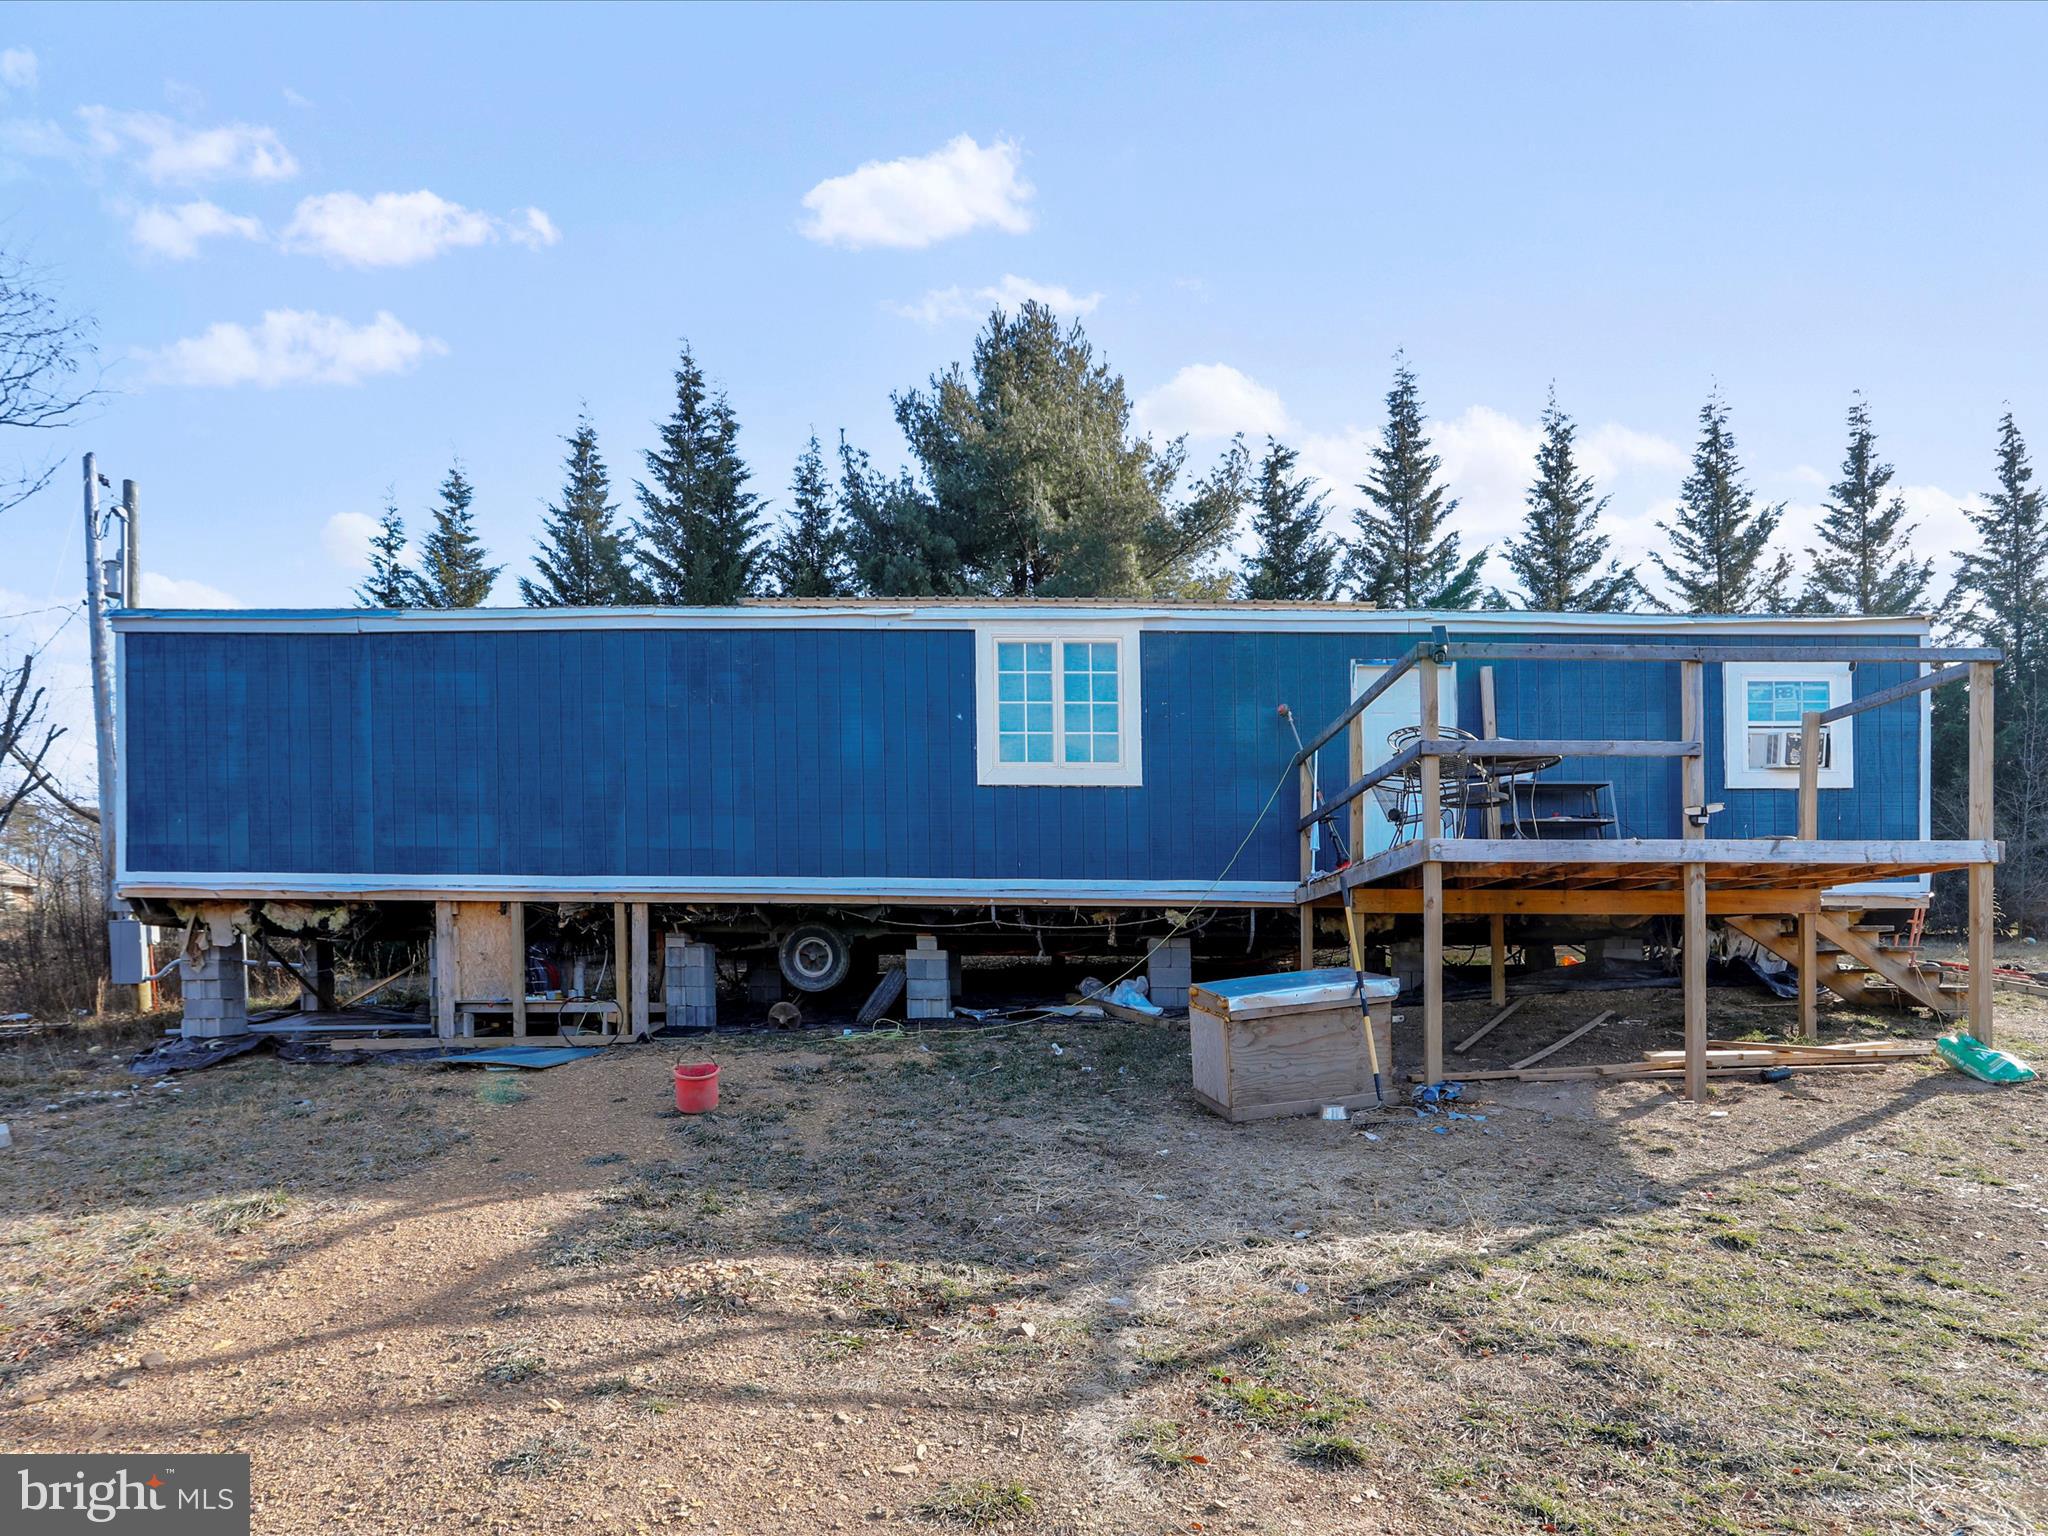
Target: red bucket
<point>696,1087</point>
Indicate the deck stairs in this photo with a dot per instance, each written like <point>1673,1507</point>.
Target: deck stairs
<point>1871,963</point>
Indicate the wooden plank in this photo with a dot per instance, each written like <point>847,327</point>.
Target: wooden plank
<point>638,1024</point>
<point>1692,772</point>
<point>1487,1028</point>
<point>1548,650</point>
<point>1354,759</point>
<point>1908,982</point>
<point>1557,1045</point>
<point>1754,850</point>
<point>442,969</point>
<point>415,1043</point>
<point>1496,923</point>
<point>1809,979</point>
<point>1897,691</point>
<point>1433,972</point>
<point>1565,747</point>
<point>1461,901</point>
<point>621,960</point>
<point>1628,1071</point>
<point>1981,827</point>
<point>515,912</point>
<point>1808,964</point>
<point>1694,956</point>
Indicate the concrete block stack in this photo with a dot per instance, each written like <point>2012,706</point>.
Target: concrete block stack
<point>929,976</point>
<point>1170,971</point>
<point>216,989</point>
<point>690,975</point>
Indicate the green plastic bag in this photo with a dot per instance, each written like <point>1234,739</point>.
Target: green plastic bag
<point>1968,1054</point>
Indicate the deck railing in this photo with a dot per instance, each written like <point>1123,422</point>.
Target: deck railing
<point>1424,757</point>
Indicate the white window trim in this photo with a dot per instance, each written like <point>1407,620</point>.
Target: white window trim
<point>1840,772</point>
<point>988,767</point>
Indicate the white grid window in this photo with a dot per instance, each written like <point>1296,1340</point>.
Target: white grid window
<point>1024,701</point>
<point>1058,706</point>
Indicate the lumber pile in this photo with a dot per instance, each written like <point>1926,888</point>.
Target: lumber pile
<point>1727,1058</point>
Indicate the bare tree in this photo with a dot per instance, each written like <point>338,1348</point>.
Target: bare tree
<point>43,353</point>
<point>25,736</point>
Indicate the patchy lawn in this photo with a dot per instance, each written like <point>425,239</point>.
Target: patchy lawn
<point>959,1281</point>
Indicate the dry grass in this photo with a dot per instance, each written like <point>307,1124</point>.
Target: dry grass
<point>960,1280</point>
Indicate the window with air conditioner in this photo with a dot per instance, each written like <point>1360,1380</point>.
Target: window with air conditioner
<point>1763,707</point>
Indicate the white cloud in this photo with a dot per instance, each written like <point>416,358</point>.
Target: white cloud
<point>1212,400</point>
<point>399,229</point>
<point>293,98</point>
<point>165,150</point>
<point>290,346</point>
<point>1610,450</point>
<point>176,232</point>
<point>956,303</point>
<point>19,69</point>
<point>346,539</point>
<point>533,229</point>
<point>910,203</point>
<point>161,591</point>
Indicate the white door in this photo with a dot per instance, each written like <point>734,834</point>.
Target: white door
<point>1400,705</point>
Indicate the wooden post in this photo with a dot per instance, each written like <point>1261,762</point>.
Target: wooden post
<point>638,1023</point>
<point>1982,827</point>
<point>1430,830</point>
<point>621,965</point>
<point>1694,957</point>
<point>1692,727</point>
<point>1693,953</point>
<point>1809,829</point>
<point>1497,925</point>
<point>1432,825</point>
<point>1355,812</point>
<point>515,917</point>
<point>1305,913</point>
<point>441,969</point>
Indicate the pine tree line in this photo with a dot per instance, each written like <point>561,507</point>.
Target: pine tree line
<point>1027,478</point>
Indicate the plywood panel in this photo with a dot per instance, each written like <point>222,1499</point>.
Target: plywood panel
<point>486,950</point>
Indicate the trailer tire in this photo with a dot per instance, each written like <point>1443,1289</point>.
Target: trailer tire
<point>815,958</point>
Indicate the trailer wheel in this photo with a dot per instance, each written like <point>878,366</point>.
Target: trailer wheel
<point>815,958</point>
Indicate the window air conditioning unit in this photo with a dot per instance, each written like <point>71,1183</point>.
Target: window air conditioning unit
<point>1780,747</point>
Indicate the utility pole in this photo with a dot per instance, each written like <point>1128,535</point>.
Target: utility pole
<point>103,713</point>
<point>131,547</point>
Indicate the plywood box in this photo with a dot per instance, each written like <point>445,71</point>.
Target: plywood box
<point>1288,1044</point>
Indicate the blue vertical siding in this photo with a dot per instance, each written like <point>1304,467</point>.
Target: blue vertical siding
<point>814,753</point>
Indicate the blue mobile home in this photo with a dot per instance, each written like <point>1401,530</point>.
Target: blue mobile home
<point>799,780</point>
<point>919,752</point>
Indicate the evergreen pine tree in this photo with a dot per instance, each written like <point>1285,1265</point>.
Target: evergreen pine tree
<point>2001,598</point>
<point>1721,538</point>
<point>1865,562</point>
<point>1033,475</point>
<point>895,546</point>
<point>391,583</point>
<point>584,561</point>
<point>700,527</point>
<point>809,560</point>
<point>1557,558</point>
<point>1293,560</point>
<point>1403,556</point>
<point>2001,588</point>
<point>453,571</point>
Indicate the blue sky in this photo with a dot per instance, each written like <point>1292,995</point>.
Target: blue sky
<point>329,249</point>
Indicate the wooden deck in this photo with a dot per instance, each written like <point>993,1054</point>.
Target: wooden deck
<point>1527,874</point>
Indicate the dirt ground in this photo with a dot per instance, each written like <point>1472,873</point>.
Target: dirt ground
<point>1017,1278</point>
